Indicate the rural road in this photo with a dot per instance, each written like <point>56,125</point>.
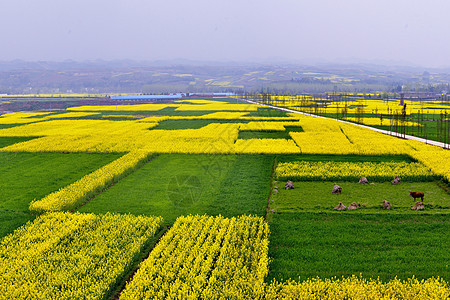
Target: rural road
<point>391,133</point>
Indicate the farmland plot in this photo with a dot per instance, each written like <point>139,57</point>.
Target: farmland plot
<point>179,184</point>
<point>27,176</point>
<point>218,159</point>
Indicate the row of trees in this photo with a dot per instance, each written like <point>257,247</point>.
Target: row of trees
<point>434,125</point>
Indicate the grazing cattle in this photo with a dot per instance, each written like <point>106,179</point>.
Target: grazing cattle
<point>386,204</point>
<point>289,185</point>
<point>396,180</point>
<point>363,180</point>
<point>353,205</point>
<point>417,195</point>
<point>336,189</point>
<point>340,206</point>
<point>418,206</point>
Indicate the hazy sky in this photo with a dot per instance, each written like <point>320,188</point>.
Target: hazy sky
<point>413,32</point>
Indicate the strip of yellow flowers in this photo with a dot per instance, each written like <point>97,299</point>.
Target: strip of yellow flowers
<point>218,106</point>
<point>435,158</point>
<point>120,116</point>
<point>72,256</point>
<point>211,106</point>
<point>21,118</point>
<point>219,115</point>
<point>229,115</point>
<point>75,194</point>
<point>70,115</point>
<point>265,146</point>
<point>136,107</point>
<point>326,136</point>
<point>357,288</point>
<point>383,171</point>
<point>77,128</point>
<point>25,118</point>
<point>204,257</point>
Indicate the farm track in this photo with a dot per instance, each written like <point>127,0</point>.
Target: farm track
<point>444,186</point>
<point>115,295</point>
<point>271,187</point>
<point>114,183</point>
<point>391,133</point>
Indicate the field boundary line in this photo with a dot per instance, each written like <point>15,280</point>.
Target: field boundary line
<point>153,156</point>
<point>115,295</point>
<point>275,161</point>
<point>391,133</point>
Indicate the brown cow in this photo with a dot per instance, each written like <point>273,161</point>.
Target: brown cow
<point>417,195</point>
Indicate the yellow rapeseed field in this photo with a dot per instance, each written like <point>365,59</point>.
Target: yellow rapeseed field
<point>200,257</point>
<point>231,115</point>
<point>320,136</point>
<point>136,107</point>
<point>266,146</point>
<point>71,256</point>
<point>357,288</point>
<point>21,118</point>
<point>326,171</point>
<point>218,106</point>
<point>205,257</point>
<point>357,104</point>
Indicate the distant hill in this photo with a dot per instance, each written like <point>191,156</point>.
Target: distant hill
<point>195,76</point>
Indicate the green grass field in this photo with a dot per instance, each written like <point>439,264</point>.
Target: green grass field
<point>269,134</point>
<point>10,220</point>
<point>172,185</point>
<point>260,112</point>
<point>266,112</point>
<point>28,176</point>
<point>2,126</point>
<point>190,124</point>
<point>309,238</point>
<point>6,141</point>
<point>315,196</point>
<point>307,245</point>
<point>171,111</point>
